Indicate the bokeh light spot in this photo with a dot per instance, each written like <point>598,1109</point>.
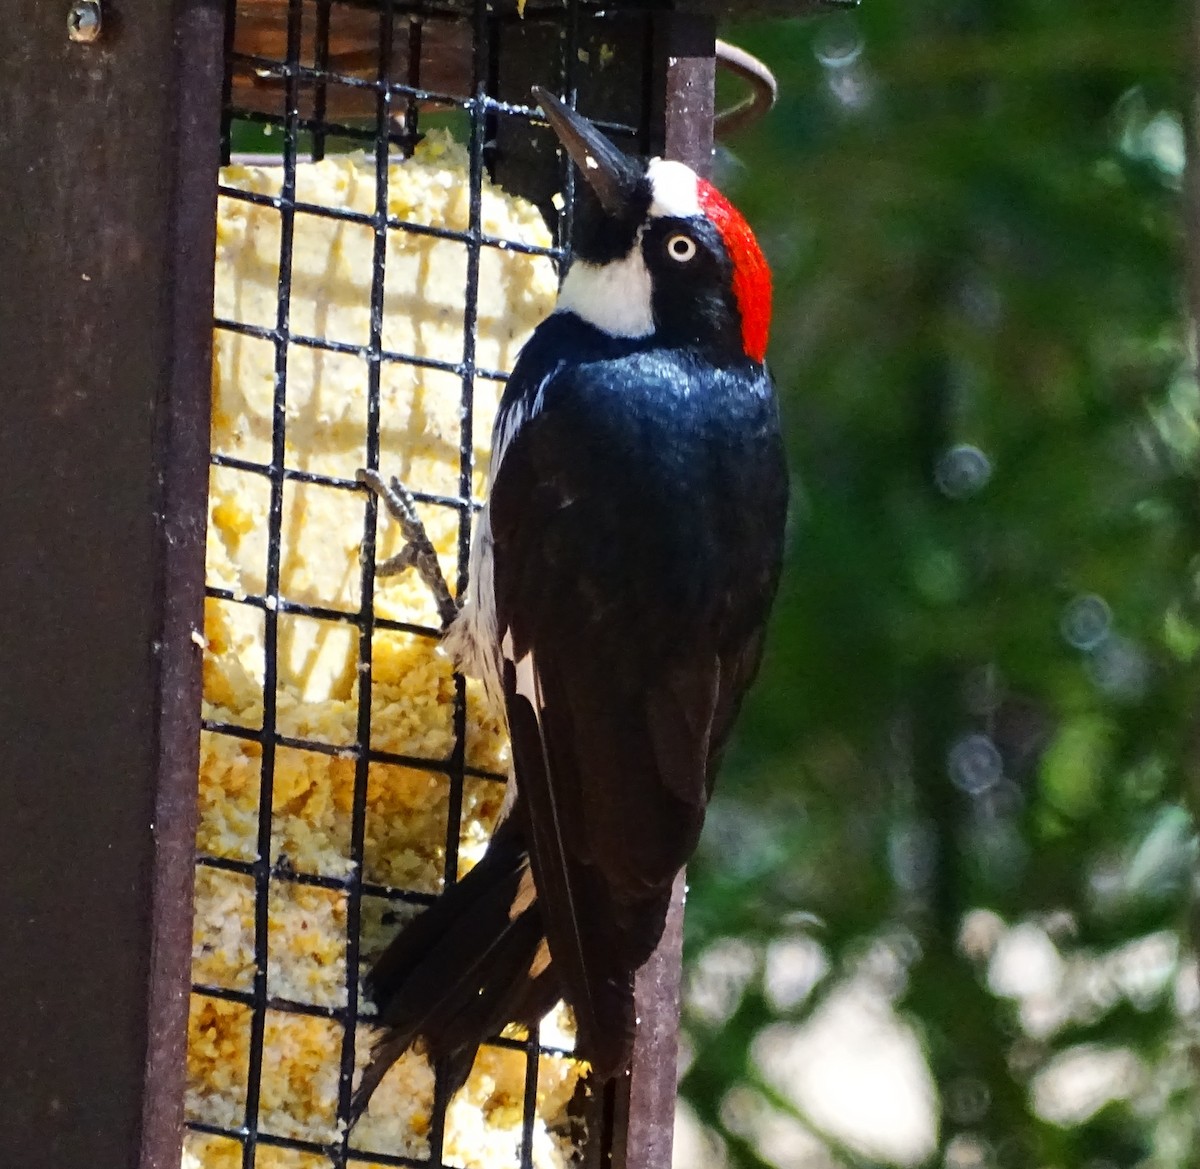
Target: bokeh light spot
<point>975,764</point>
<point>962,471</point>
<point>1086,622</point>
<point>838,42</point>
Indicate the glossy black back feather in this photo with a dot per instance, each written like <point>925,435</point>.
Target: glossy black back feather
<point>637,519</point>
<point>637,523</point>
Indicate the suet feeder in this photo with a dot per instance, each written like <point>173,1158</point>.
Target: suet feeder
<point>191,560</point>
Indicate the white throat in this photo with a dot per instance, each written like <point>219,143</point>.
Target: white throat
<point>615,297</point>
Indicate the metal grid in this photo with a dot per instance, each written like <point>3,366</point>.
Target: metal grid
<point>304,74</point>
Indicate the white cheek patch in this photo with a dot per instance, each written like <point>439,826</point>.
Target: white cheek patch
<point>676,190</point>
<point>614,297</point>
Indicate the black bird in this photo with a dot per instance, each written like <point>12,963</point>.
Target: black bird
<point>621,574</point>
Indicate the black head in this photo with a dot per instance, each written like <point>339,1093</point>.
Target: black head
<point>659,251</point>
<point>616,198</point>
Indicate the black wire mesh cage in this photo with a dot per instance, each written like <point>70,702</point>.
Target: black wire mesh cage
<point>391,214</point>
<point>377,276</point>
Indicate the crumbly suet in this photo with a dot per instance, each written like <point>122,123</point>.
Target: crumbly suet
<point>318,682</point>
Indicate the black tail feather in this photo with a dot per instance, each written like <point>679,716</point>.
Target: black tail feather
<point>457,973</point>
<point>577,905</point>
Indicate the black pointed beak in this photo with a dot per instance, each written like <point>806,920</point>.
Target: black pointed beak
<point>617,179</point>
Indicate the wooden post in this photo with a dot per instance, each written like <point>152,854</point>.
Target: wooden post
<point>107,219</point>
<point>684,70</point>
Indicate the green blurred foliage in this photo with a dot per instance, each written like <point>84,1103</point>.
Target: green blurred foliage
<point>980,690</point>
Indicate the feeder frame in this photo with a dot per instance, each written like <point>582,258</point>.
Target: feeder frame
<point>107,232</point>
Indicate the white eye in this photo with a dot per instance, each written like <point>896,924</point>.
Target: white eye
<point>681,248</point>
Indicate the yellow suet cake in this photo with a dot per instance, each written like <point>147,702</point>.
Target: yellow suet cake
<point>317,688</point>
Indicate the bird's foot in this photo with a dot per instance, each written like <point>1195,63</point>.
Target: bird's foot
<point>418,551</point>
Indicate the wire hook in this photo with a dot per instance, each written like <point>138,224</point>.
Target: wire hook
<point>764,89</point>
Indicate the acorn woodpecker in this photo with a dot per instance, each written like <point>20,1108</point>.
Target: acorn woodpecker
<point>621,573</point>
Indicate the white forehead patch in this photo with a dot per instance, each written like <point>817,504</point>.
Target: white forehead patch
<point>675,187</point>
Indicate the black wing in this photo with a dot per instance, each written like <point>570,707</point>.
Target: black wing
<point>637,522</point>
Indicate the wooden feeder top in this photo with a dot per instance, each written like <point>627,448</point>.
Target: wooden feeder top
<point>260,39</point>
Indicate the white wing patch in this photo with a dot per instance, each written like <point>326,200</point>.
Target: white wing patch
<point>509,423</point>
<point>473,639</point>
<point>529,687</point>
<point>527,680</point>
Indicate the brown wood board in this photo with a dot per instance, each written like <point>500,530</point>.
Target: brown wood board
<point>260,46</point>
<point>107,195</point>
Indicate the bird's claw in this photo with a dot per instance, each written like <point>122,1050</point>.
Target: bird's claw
<point>418,551</point>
